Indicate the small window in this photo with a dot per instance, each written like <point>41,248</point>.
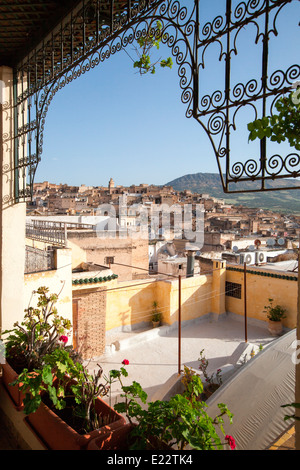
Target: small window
<point>233,290</point>
<point>109,260</point>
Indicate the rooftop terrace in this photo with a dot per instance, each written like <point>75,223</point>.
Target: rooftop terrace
<point>153,361</point>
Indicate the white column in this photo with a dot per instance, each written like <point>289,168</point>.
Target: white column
<point>12,216</point>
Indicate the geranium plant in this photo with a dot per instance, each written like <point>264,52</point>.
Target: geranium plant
<point>180,422</point>
<point>38,334</point>
<point>64,385</point>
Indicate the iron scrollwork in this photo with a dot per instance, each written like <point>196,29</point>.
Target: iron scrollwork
<point>95,32</point>
<point>218,112</point>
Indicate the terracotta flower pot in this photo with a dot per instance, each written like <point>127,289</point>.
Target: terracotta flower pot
<point>115,440</point>
<point>14,392</point>
<point>275,327</point>
<point>56,434</point>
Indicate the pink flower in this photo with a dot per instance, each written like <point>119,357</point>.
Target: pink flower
<point>125,362</point>
<point>63,339</point>
<point>231,441</point>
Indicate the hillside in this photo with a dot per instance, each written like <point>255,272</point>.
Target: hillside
<point>286,201</point>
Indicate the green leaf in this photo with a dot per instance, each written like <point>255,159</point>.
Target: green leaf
<point>31,404</point>
<point>265,121</point>
<point>61,367</point>
<point>294,405</point>
<point>47,376</point>
<point>53,395</point>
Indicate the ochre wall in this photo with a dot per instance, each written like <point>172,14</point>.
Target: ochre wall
<point>132,304</point>
<point>259,288</point>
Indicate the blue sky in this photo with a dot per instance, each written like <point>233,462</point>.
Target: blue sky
<point>111,122</point>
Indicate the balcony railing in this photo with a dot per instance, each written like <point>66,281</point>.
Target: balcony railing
<point>54,233</point>
<point>47,232</point>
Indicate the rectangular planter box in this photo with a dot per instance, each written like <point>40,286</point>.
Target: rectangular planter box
<point>56,434</point>
<point>8,376</point>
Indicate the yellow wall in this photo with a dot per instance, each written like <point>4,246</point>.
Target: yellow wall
<point>259,289</point>
<point>132,304</point>
<point>129,303</point>
<point>78,254</point>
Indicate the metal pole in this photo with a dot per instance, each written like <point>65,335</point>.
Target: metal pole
<point>179,324</point>
<point>245,301</point>
<point>179,308</point>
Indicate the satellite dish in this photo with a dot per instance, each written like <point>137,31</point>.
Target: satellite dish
<point>281,241</point>
<point>257,242</point>
<point>235,249</point>
<point>251,247</point>
<point>271,242</point>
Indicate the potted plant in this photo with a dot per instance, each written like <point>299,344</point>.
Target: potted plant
<point>156,315</point>
<point>63,404</point>
<point>275,314</point>
<point>28,342</point>
<point>213,381</point>
<point>175,424</point>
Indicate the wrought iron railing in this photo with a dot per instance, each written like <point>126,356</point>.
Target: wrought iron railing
<point>96,30</point>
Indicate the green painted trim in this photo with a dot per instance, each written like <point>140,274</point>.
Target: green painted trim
<point>266,274</point>
<point>93,280</point>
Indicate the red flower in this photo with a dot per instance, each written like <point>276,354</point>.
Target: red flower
<point>231,442</point>
<point>125,362</point>
<point>63,339</point>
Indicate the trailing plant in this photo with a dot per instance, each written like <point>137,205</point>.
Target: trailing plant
<point>145,45</point>
<point>274,313</point>
<point>38,334</point>
<point>180,422</point>
<point>285,125</point>
<point>293,416</point>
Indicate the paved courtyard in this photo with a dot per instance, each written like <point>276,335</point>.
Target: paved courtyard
<point>153,355</point>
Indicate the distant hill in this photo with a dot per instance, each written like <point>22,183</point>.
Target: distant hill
<point>287,201</point>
